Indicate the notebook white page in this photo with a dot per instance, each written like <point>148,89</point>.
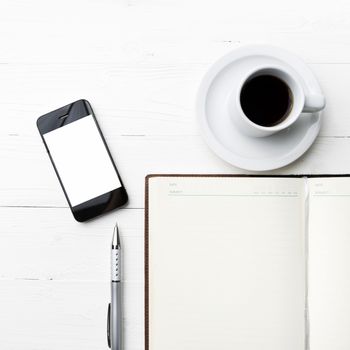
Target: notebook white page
<point>329,263</point>
<point>226,263</point>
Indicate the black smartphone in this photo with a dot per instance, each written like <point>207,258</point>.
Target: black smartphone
<point>82,161</point>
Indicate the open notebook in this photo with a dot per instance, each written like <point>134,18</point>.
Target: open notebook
<point>247,263</point>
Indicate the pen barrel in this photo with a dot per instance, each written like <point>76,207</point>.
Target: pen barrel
<point>116,317</point>
<point>115,268</point>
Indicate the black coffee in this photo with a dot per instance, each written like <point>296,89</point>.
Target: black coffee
<point>266,100</point>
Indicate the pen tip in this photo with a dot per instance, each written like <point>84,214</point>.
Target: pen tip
<point>115,240</point>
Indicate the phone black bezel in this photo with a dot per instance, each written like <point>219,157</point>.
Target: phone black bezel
<point>98,205</point>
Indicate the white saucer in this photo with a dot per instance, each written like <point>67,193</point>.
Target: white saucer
<point>220,133</point>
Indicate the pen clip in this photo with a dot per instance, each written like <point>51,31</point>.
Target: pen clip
<point>109,325</point>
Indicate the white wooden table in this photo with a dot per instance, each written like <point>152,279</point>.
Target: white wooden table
<point>139,63</point>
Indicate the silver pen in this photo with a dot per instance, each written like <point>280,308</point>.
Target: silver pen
<point>114,328</point>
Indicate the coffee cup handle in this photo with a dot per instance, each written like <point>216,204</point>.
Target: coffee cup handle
<point>314,103</point>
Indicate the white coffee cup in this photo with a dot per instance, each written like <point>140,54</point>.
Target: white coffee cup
<point>302,101</point>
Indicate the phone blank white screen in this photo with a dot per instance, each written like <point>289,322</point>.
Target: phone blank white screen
<point>81,160</point>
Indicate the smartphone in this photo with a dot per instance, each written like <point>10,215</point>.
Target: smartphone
<point>82,160</point>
